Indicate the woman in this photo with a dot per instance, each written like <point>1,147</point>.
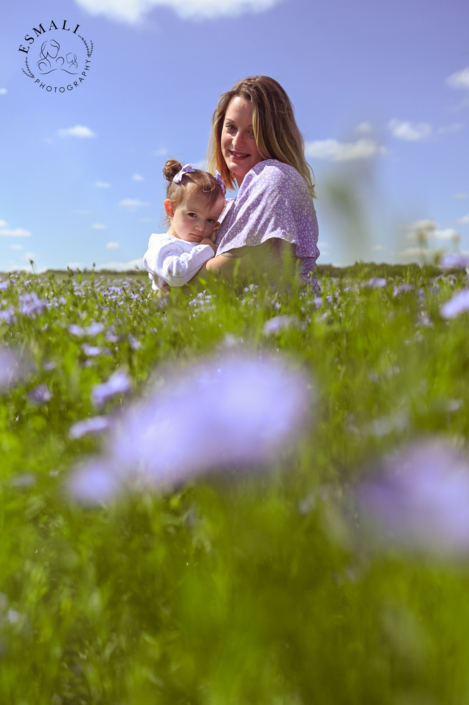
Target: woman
<point>256,145</point>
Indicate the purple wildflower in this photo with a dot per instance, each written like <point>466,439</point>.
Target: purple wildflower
<point>238,410</point>
<point>94,350</point>
<point>421,497</point>
<point>458,304</point>
<point>41,394</point>
<point>4,285</point>
<point>94,482</point>
<point>454,261</point>
<point>279,323</point>
<point>118,383</point>
<point>30,304</point>
<point>12,368</point>
<point>8,315</point>
<point>134,343</point>
<point>94,329</point>
<point>78,331</point>
<point>95,424</point>
<point>402,289</point>
<point>376,283</point>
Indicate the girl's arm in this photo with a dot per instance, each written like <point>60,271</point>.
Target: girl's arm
<point>218,265</point>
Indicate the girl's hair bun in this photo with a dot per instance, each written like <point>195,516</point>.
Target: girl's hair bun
<point>171,168</point>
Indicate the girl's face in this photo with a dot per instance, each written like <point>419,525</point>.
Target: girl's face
<point>238,144</point>
<point>195,219</point>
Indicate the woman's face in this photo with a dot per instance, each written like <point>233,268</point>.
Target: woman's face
<point>238,144</point>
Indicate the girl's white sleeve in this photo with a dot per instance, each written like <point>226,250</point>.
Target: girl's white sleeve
<point>176,268</point>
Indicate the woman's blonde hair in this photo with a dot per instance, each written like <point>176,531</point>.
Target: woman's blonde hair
<point>275,130</point>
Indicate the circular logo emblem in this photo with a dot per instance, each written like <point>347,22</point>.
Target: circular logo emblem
<point>58,59</point>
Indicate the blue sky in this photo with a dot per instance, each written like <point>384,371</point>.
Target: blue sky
<point>381,94</point>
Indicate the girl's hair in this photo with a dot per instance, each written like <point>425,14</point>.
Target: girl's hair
<point>194,183</point>
<point>275,130</point>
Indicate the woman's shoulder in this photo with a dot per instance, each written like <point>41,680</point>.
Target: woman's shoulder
<point>275,173</point>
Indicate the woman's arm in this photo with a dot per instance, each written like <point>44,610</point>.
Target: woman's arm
<point>218,266</point>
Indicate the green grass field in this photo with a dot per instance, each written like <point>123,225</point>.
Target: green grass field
<point>252,587</point>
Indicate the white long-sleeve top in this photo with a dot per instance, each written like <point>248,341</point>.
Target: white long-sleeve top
<point>172,261</point>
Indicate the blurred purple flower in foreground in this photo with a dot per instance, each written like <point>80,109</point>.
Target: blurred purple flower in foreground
<point>96,424</point>
<point>229,412</point>
<point>118,383</point>
<point>12,368</point>
<point>31,304</point>
<point>458,304</point>
<point>94,350</point>
<point>41,394</point>
<point>421,497</point>
<point>402,289</point>
<point>376,283</point>
<point>454,261</point>
<point>279,323</point>
<point>94,482</point>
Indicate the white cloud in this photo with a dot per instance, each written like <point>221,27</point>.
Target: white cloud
<point>77,131</point>
<point>133,11</point>
<point>132,203</point>
<point>447,234</point>
<point>413,252</point>
<point>364,127</point>
<point>419,227</point>
<point>323,244</point>
<point>335,151</point>
<point>460,195</point>
<point>430,231</point>
<point>121,266</point>
<point>454,127</point>
<point>3,91</point>
<point>460,79</point>
<point>14,233</point>
<point>137,177</point>
<point>16,247</point>
<point>99,226</point>
<point>379,248</point>
<point>410,131</point>
<point>3,224</point>
<point>113,245</point>
<point>102,184</point>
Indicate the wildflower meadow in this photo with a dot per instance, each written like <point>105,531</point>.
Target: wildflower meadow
<point>241,496</point>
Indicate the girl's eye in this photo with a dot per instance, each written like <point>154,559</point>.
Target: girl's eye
<point>211,220</point>
<point>192,215</point>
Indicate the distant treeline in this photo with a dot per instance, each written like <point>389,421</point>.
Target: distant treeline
<point>359,270</point>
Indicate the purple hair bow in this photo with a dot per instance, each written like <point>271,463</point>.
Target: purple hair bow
<point>220,181</point>
<point>187,169</point>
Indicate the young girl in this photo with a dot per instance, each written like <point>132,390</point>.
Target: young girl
<point>194,201</point>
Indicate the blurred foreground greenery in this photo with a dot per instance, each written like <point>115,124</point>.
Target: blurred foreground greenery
<point>260,590</point>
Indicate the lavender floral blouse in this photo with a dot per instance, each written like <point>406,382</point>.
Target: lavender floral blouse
<point>273,202</point>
